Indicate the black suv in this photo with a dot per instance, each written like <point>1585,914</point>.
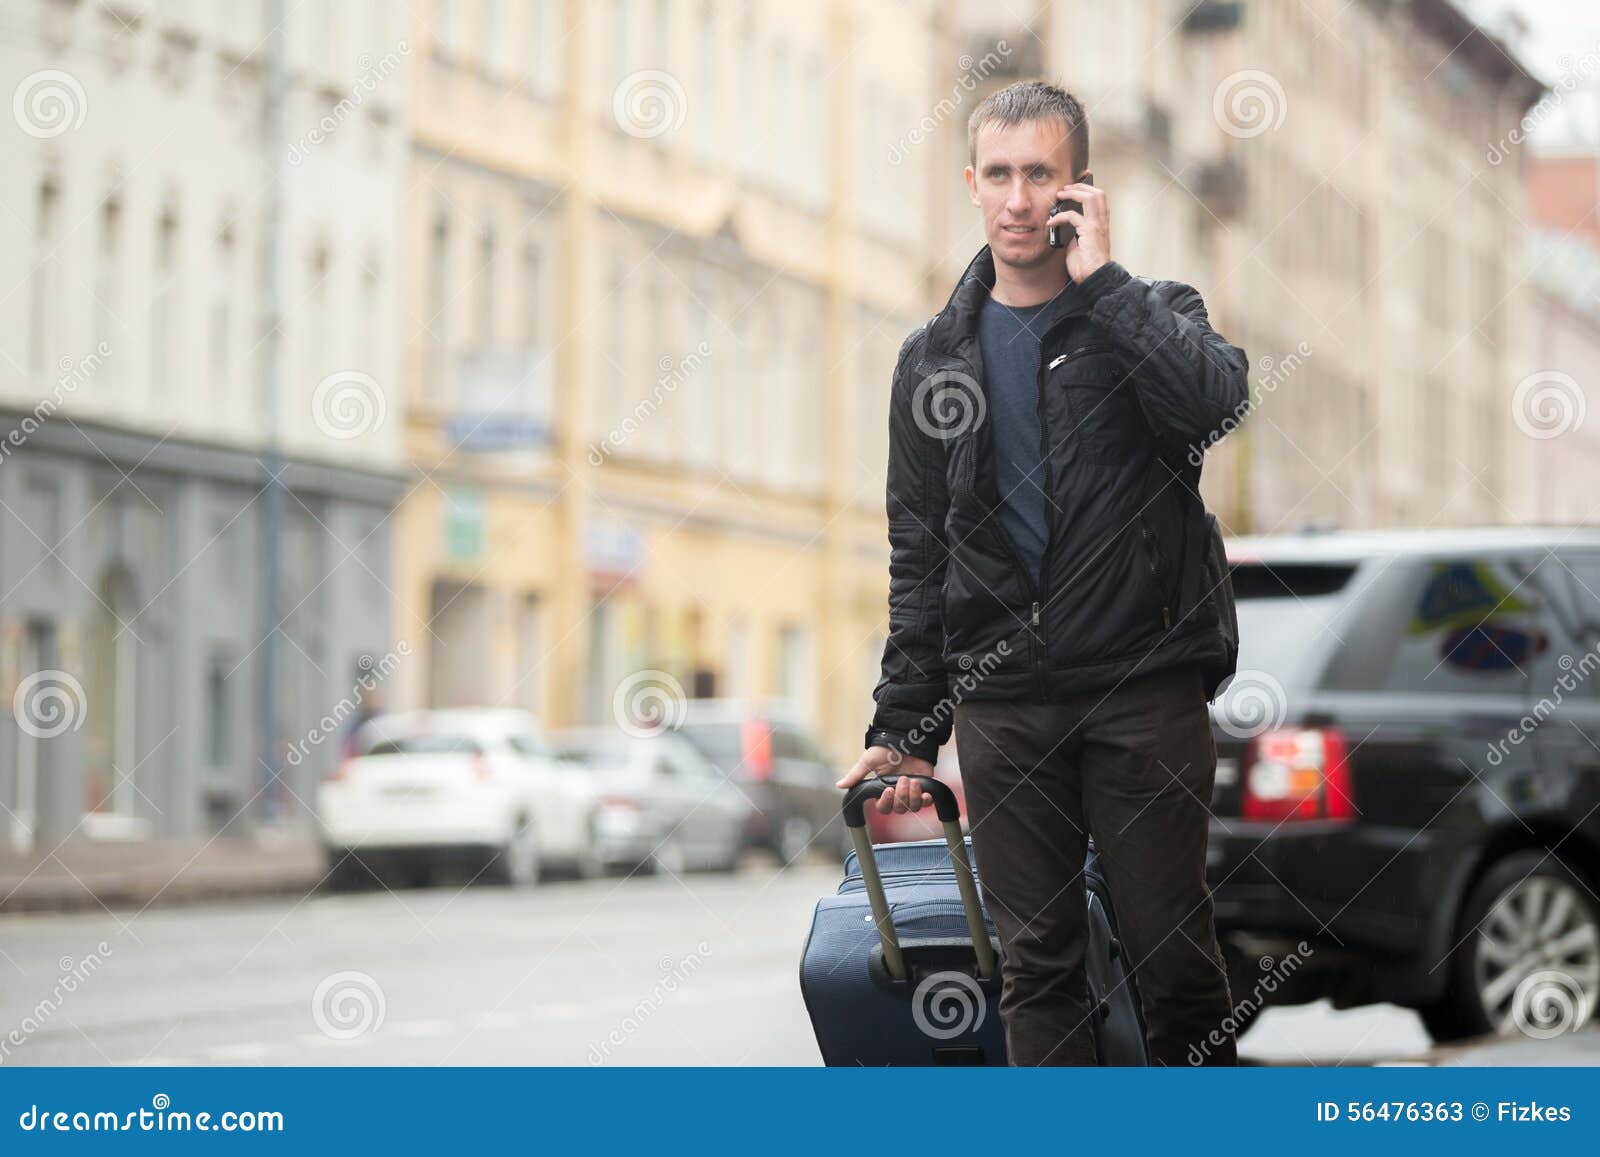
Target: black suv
<point>1408,776</point>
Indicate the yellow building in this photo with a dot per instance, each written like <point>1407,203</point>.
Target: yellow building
<point>662,258</point>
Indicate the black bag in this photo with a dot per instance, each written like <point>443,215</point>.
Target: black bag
<point>1217,590</point>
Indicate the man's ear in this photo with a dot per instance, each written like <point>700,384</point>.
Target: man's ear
<point>972,184</point>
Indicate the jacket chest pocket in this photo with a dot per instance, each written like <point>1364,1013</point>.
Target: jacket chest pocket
<point>1103,418</point>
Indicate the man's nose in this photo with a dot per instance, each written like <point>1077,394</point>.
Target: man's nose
<point>1017,200</point>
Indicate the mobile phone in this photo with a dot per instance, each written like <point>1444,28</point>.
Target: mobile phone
<point>1059,235</point>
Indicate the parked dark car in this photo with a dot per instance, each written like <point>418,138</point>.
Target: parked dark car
<point>787,783</point>
<point>1409,775</point>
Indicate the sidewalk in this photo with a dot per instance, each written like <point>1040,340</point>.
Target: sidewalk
<point>1576,1049</point>
<point>93,874</point>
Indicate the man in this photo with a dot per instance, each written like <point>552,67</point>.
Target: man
<point>1046,549</point>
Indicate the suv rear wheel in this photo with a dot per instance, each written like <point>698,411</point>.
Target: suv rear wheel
<point>1528,959</point>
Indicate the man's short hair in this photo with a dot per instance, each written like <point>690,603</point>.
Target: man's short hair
<point>1032,100</point>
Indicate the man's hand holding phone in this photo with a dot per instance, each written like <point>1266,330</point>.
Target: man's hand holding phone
<point>1083,226</point>
<point>907,795</point>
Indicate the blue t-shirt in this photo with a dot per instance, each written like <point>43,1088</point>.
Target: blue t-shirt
<point>1009,338</point>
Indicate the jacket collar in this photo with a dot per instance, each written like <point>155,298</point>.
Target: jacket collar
<point>956,325</point>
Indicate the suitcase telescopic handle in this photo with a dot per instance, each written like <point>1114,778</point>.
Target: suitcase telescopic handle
<point>949,813</point>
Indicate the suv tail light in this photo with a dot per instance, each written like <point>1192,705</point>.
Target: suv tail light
<point>1297,774</point>
<point>481,768</point>
<point>341,771</point>
<point>755,749</point>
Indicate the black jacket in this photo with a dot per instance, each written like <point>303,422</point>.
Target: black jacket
<point>1133,385</point>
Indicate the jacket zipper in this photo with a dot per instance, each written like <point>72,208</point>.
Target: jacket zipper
<point>1155,573</point>
<point>1041,594</point>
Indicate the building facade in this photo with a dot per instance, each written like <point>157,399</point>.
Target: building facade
<point>663,257</point>
<point>153,199</point>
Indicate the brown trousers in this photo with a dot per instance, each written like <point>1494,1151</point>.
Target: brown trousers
<point>1134,765</point>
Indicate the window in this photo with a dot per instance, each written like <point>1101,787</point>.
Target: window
<point>108,275</point>
<point>793,676</point>
<point>221,339</point>
<point>370,334</point>
<point>663,31</point>
<point>219,714</point>
<point>318,357</point>
<point>437,323</point>
<point>527,744</point>
<point>426,745</point>
<point>164,307</point>
<point>1461,625</point>
<point>619,48</point>
<point>43,338</point>
<point>705,110</point>
<point>486,285</point>
<point>544,47</point>
<point>531,294</point>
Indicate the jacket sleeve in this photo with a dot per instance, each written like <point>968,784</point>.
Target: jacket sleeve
<point>913,679</point>
<point>1191,382</point>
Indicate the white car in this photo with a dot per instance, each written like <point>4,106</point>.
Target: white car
<point>464,783</point>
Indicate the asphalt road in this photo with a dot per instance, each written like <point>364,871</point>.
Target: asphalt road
<point>636,971</point>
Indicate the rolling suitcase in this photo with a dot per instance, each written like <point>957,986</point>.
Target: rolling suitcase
<point>902,965</point>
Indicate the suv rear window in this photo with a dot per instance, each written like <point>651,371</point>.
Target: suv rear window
<point>1284,613</point>
<point>1259,580</point>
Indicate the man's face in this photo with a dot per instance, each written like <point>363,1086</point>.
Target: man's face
<point>1019,167</point>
